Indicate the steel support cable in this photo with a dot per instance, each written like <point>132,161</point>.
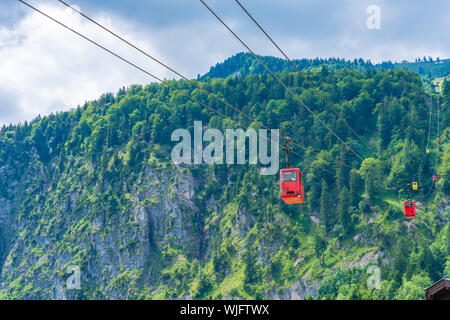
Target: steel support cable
<point>281,82</point>
<point>437,149</point>
<point>148,73</point>
<point>429,121</point>
<point>164,65</point>
<point>182,76</point>
<point>130,63</point>
<point>429,190</point>
<point>304,76</point>
<point>141,69</point>
<point>422,164</point>
<point>174,71</point>
<point>135,66</point>
<point>438,136</point>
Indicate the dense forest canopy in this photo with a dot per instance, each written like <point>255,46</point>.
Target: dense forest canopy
<point>353,210</point>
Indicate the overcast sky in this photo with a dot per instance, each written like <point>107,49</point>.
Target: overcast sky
<point>45,68</point>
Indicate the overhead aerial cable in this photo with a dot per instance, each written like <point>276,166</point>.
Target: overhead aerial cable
<point>437,141</point>
<point>171,69</point>
<point>184,77</point>
<point>434,176</point>
<point>281,82</point>
<point>155,77</point>
<point>427,149</point>
<point>291,186</point>
<point>429,124</point>
<point>135,66</point>
<point>409,209</point>
<point>304,76</point>
<point>164,65</point>
<point>299,195</point>
<point>126,61</point>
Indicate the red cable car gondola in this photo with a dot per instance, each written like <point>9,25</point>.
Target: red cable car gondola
<point>434,178</point>
<point>291,186</point>
<point>410,209</point>
<point>292,189</point>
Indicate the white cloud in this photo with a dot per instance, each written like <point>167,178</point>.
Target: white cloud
<point>45,68</point>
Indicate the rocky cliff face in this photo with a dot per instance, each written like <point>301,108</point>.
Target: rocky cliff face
<point>43,242</point>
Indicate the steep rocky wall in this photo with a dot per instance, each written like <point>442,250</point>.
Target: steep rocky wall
<point>42,248</point>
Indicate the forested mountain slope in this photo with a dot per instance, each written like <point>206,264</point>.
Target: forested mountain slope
<point>95,188</point>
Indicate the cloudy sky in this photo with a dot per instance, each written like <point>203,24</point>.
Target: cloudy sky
<point>45,68</point>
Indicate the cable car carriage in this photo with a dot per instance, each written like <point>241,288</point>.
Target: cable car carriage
<point>415,186</point>
<point>292,189</point>
<point>434,178</point>
<point>410,209</point>
<point>291,186</point>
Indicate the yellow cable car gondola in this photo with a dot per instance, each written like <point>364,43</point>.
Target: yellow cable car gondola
<point>415,186</point>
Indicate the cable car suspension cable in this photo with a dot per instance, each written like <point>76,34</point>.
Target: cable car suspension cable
<point>438,136</point>
<point>281,82</point>
<point>137,67</point>
<point>128,62</point>
<point>304,76</point>
<point>437,150</point>
<point>172,70</point>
